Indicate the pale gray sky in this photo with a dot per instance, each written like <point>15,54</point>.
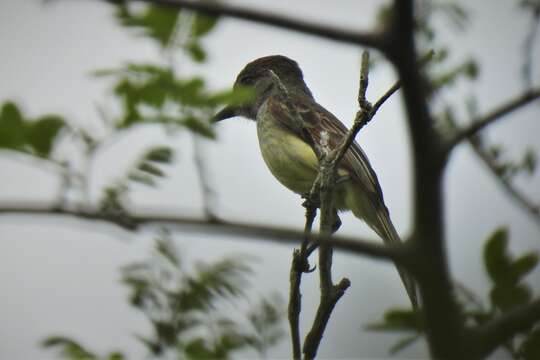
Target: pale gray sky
<point>60,276</point>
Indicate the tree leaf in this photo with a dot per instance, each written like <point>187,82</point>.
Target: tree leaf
<point>142,178</point>
<point>203,24</point>
<point>403,343</point>
<point>156,22</point>
<point>69,348</point>
<point>12,127</point>
<point>531,345</point>
<point>529,161</point>
<point>150,169</point>
<point>506,297</point>
<point>496,258</point>
<point>160,154</point>
<point>195,51</point>
<point>199,126</point>
<point>524,265</point>
<point>42,133</point>
<point>399,320</point>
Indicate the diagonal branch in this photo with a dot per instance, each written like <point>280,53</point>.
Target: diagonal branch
<point>521,199</point>
<point>486,338</point>
<point>215,8</point>
<point>491,117</point>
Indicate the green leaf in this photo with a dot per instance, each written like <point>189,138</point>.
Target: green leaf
<point>42,133</point>
<point>116,356</point>
<point>203,24</point>
<point>142,178</point>
<point>155,22</point>
<point>198,349</point>
<point>69,349</point>
<point>166,248</point>
<point>12,127</point>
<point>36,137</point>
<point>399,320</point>
<point>160,154</point>
<point>496,258</point>
<point>195,51</point>
<point>199,126</point>
<point>524,265</point>
<point>165,331</point>
<point>508,297</point>
<point>531,345</point>
<point>529,162</point>
<point>238,96</point>
<point>403,343</point>
<point>150,169</point>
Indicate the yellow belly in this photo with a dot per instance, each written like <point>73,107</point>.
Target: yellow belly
<point>291,160</point>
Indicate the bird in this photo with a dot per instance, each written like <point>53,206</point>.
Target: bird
<point>290,128</point>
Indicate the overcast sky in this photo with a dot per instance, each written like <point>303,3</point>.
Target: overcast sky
<point>60,276</point>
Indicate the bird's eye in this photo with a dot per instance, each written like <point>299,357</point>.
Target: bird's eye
<point>247,80</point>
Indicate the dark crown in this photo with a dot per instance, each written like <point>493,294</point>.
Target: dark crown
<point>286,69</point>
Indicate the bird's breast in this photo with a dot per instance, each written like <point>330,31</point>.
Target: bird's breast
<point>292,161</point>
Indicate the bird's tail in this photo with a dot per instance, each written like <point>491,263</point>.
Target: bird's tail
<point>386,230</point>
<point>378,219</point>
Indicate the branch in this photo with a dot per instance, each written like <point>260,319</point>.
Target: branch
<point>299,265</point>
<point>324,185</point>
<point>491,117</point>
<point>213,8</point>
<point>486,338</point>
<point>443,319</point>
<point>532,209</point>
<point>280,235</point>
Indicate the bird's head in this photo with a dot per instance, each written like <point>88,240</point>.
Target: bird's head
<point>260,75</point>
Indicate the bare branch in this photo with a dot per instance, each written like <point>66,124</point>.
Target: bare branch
<point>191,224</point>
<point>488,337</point>
<point>299,265</point>
<point>491,117</point>
<point>521,199</point>
<point>374,39</point>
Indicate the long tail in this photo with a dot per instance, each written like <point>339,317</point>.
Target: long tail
<point>386,230</point>
<point>377,217</point>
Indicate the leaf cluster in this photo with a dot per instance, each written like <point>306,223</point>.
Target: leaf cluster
<point>32,136</point>
<point>183,308</point>
<point>508,291</point>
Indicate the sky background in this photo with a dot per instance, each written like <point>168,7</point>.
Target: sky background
<point>60,276</point>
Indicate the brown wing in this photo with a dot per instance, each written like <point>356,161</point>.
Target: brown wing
<point>317,119</point>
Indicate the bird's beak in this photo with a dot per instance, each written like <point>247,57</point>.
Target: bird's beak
<point>226,113</point>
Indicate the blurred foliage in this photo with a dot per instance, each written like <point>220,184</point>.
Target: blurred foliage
<point>185,307</point>
<point>507,292</point>
<point>32,136</point>
<point>143,93</point>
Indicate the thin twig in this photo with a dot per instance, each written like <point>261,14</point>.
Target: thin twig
<point>491,117</point>
<point>208,193</point>
<point>519,198</point>
<point>299,265</point>
<point>375,39</point>
<point>324,184</point>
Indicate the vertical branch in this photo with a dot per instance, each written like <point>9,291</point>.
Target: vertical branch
<point>443,318</point>
<point>299,265</point>
<point>208,193</point>
<point>324,184</point>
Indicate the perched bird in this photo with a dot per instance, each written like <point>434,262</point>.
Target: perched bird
<point>288,138</point>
